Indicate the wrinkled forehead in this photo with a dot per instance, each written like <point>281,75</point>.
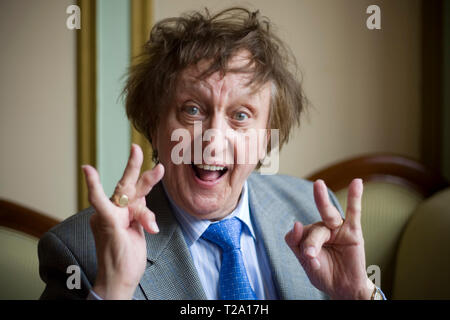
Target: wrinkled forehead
<point>194,75</point>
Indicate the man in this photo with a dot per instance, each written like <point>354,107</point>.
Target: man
<point>206,227</point>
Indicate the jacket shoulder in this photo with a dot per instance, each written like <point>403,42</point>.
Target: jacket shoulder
<point>294,195</point>
<point>282,182</point>
<point>75,231</point>
<point>73,241</point>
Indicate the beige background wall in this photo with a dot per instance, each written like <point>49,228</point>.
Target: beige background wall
<point>364,87</point>
<point>37,106</point>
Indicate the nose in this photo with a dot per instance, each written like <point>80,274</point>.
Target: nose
<point>215,141</point>
<point>217,122</point>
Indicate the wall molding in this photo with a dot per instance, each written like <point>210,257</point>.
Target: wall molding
<point>141,24</point>
<point>86,96</point>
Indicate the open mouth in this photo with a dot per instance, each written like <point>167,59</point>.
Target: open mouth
<point>209,173</point>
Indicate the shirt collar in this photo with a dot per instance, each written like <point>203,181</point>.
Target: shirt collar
<point>193,227</point>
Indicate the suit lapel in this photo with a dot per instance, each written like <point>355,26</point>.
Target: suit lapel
<point>170,272</point>
<point>273,222</point>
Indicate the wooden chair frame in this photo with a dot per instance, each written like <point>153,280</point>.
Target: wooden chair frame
<point>382,167</point>
<point>17,217</point>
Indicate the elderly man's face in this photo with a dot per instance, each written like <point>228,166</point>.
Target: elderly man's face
<point>231,109</point>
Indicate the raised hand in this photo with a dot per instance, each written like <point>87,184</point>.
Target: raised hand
<point>119,231</point>
<point>332,251</point>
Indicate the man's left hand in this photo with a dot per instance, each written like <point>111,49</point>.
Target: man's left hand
<point>332,251</point>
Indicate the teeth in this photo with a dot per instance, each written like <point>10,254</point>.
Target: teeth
<point>210,168</point>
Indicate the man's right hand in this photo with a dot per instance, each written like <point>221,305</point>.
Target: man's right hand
<point>119,232</point>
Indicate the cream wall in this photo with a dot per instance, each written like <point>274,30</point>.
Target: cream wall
<point>37,106</point>
<point>364,86</point>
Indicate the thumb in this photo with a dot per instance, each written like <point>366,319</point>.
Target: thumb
<point>294,237</point>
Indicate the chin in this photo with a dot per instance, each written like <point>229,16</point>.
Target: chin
<point>204,208</point>
<point>203,191</point>
<point>203,203</point>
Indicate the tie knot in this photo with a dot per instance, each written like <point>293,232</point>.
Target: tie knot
<point>226,234</point>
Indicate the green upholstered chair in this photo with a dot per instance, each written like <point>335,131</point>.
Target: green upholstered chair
<point>20,230</point>
<point>423,259</point>
<point>394,186</point>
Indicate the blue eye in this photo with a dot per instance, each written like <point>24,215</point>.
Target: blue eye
<point>193,111</point>
<point>240,116</point>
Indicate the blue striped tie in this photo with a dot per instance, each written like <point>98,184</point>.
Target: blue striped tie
<point>233,279</point>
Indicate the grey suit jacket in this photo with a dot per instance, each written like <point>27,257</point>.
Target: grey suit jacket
<point>275,203</point>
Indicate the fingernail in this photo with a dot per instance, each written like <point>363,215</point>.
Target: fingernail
<point>315,264</point>
<point>360,186</point>
<point>154,227</point>
<point>311,252</point>
<point>337,223</point>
